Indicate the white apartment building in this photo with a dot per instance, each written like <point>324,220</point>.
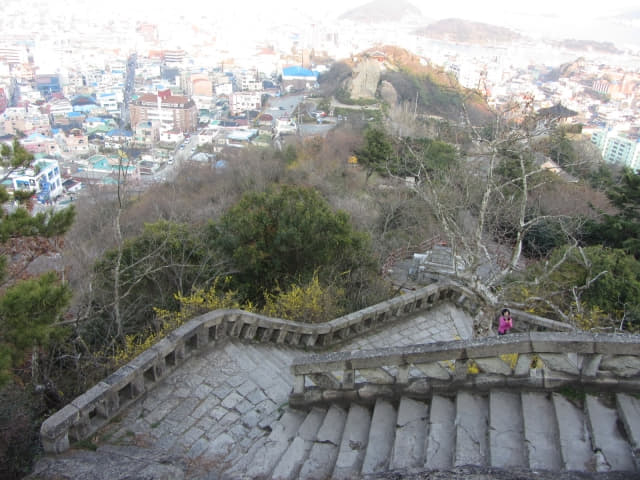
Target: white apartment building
<point>248,81</point>
<point>241,102</point>
<point>43,177</point>
<point>223,88</point>
<point>109,101</point>
<point>618,147</point>
<point>60,106</point>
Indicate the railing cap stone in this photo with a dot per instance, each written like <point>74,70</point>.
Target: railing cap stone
<point>91,396</point>
<point>60,421</point>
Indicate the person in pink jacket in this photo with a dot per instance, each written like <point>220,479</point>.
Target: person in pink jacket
<point>506,322</point>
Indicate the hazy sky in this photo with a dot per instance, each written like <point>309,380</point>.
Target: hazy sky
<point>549,18</point>
<point>484,8</point>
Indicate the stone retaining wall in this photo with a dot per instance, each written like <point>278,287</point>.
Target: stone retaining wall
<point>90,411</point>
<point>537,361</point>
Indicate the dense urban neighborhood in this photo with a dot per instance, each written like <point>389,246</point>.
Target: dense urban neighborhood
<point>139,106</point>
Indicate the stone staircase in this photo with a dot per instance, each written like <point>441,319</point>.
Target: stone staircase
<point>502,429</point>
<point>233,410</point>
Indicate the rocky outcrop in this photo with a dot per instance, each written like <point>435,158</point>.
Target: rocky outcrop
<point>363,84</point>
<point>388,93</point>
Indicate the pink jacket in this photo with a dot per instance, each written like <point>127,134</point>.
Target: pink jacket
<point>505,324</point>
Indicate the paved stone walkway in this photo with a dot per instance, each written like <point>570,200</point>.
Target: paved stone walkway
<point>220,405</point>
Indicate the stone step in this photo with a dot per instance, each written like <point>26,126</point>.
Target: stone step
<point>441,439</point>
<point>607,438</point>
<point>277,443</point>
<point>324,452</point>
<point>260,371</point>
<point>286,355</point>
<point>541,432</point>
<point>575,441</point>
<point>471,430</point>
<point>354,443</point>
<point>506,430</point>
<point>264,356</point>
<point>290,463</point>
<point>381,436</point>
<point>248,359</point>
<point>272,352</point>
<point>629,413</point>
<point>269,374</point>
<point>411,434</point>
<point>268,352</point>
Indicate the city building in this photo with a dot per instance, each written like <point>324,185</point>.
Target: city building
<point>241,102</point>
<point>298,78</point>
<point>109,102</point>
<point>59,106</point>
<point>618,147</point>
<point>76,141</point>
<point>43,178</point>
<point>167,111</point>
<point>38,143</point>
<point>248,81</point>
<point>22,120</point>
<point>173,57</point>
<point>48,85</point>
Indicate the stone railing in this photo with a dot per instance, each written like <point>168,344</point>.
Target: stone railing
<point>90,411</point>
<point>544,361</point>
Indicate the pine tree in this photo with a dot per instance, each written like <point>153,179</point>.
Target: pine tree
<point>28,308</point>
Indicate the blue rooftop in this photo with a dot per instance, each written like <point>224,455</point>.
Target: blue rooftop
<point>36,136</point>
<point>116,132</point>
<point>298,72</point>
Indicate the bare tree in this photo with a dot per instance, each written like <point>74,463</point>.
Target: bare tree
<point>485,209</point>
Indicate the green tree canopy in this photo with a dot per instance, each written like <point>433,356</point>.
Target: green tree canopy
<point>376,152</point>
<point>27,311</point>
<point>623,229</point>
<point>283,236</point>
<point>27,308</point>
<point>167,258</point>
<point>417,157</point>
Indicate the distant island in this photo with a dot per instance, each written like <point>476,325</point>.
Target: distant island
<point>464,31</point>
<point>588,45</point>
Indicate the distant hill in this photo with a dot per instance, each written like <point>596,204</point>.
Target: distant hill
<point>378,11</point>
<point>588,45</point>
<point>463,31</point>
